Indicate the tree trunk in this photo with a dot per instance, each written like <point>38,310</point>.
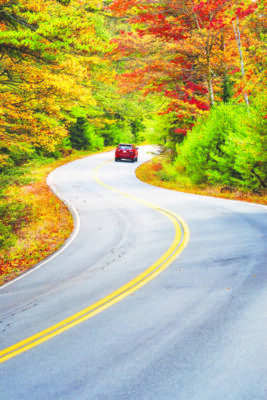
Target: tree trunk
<point>238,40</point>
<point>210,89</point>
<point>259,178</point>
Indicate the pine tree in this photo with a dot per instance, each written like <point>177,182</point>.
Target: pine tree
<point>78,134</point>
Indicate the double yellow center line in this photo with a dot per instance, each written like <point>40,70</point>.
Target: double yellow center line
<point>180,241</point>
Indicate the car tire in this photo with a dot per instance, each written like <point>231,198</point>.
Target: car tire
<point>116,159</point>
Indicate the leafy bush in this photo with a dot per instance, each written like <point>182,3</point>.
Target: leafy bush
<point>13,176</point>
<point>228,147</point>
<point>167,173</point>
<point>13,215</point>
<point>15,155</point>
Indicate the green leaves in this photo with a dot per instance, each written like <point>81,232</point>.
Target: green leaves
<point>83,135</point>
<point>227,148</point>
<point>65,2</point>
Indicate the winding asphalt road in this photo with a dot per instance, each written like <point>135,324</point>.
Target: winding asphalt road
<point>191,327</point>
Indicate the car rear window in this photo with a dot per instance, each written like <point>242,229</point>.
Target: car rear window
<point>125,146</point>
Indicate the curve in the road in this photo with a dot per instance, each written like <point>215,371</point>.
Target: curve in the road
<point>179,243</point>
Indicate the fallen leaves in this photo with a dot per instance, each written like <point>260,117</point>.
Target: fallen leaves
<point>49,225</point>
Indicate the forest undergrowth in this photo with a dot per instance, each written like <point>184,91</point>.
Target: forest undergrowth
<point>159,172</point>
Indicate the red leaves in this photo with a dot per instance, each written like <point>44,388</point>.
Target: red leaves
<point>120,7</point>
<point>243,12</point>
<point>234,71</point>
<point>157,24</point>
<point>171,94</point>
<point>181,131</point>
<point>196,88</point>
<point>194,47</point>
<point>199,104</point>
<point>183,95</point>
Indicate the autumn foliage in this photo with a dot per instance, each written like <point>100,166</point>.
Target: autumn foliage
<point>187,52</point>
<point>48,51</point>
<point>75,74</point>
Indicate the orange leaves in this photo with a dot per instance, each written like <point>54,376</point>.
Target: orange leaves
<point>49,225</point>
<point>121,7</point>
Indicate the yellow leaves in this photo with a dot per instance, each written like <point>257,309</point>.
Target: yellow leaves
<point>3,159</point>
<point>32,5</point>
<point>49,139</point>
<point>32,114</point>
<point>49,224</point>
<point>58,66</point>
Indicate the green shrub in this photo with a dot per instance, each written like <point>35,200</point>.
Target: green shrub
<point>13,176</point>
<point>7,238</point>
<point>16,155</point>
<point>13,215</point>
<point>168,173</point>
<point>227,147</point>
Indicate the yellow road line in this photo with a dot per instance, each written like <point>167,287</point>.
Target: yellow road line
<point>177,246</point>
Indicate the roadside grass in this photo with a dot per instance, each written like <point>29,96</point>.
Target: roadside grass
<point>159,172</point>
<point>39,221</point>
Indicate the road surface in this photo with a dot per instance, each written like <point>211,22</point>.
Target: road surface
<point>192,323</point>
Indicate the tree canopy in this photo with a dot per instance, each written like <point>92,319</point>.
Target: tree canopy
<point>190,51</point>
<point>122,69</point>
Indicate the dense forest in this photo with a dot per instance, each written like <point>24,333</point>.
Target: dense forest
<point>82,75</point>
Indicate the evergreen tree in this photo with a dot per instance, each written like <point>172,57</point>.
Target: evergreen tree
<point>78,134</point>
<point>227,89</point>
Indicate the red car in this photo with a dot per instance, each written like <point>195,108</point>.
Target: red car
<point>126,152</point>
